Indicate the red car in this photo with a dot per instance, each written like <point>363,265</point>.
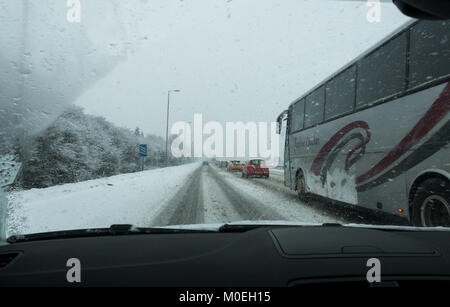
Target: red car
<point>255,167</point>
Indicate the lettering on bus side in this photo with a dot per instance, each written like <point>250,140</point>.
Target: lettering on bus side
<point>307,142</point>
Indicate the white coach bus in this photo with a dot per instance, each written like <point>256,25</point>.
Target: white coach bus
<point>376,133</point>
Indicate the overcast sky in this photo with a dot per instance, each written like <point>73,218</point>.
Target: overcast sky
<point>233,60</point>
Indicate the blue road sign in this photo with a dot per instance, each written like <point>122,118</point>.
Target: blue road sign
<point>143,150</point>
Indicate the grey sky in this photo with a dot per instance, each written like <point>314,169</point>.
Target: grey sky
<point>233,60</point>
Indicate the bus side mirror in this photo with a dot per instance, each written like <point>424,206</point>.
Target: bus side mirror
<point>280,119</point>
<point>420,9</point>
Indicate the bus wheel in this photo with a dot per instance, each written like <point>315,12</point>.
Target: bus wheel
<point>431,204</point>
<point>300,185</point>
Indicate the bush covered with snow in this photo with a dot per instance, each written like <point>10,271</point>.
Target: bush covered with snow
<point>78,147</point>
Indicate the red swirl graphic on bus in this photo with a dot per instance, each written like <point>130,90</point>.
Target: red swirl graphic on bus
<point>438,110</point>
<point>324,154</point>
<point>434,115</point>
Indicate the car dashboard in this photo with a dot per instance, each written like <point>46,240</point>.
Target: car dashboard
<point>261,257</point>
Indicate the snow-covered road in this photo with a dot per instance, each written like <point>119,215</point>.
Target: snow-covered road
<point>188,194</point>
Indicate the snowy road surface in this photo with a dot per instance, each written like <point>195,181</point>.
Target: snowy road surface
<point>188,194</point>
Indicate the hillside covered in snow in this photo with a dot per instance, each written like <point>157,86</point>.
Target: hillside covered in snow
<point>79,147</point>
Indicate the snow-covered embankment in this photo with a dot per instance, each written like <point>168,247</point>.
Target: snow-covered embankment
<point>124,199</point>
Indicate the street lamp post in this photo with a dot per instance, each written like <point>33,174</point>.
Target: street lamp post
<point>167,126</point>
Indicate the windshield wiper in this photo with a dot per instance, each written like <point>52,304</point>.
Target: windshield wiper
<point>247,227</point>
<point>240,227</point>
<point>114,230</point>
<point>128,229</point>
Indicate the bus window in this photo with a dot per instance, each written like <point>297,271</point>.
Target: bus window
<point>382,73</point>
<point>429,52</point>
<point>297,115</point>
<point>340,93</point>
<point>314,107</point>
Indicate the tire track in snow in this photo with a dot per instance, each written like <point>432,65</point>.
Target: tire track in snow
<point>280,198</point>
<point>341,212</point>
<point>189,203</point>
<point>186,206</point>
<point>246,206</point>
<point>275,185</point>
<point>218,208</point>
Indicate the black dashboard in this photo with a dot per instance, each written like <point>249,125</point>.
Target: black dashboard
<point>268,256</point>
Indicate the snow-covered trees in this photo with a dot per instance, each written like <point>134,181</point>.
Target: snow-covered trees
<point>78,147</point>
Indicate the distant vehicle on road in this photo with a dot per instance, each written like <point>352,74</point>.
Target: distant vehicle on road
<point>223,164</point>
<point>205,163</point>
<point>235,165</point>
<point>255,168</point>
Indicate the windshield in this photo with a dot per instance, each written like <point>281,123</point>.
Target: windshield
<point>124,112</point>
<point>256,162</point>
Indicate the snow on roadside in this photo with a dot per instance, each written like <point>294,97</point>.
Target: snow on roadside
<point>277,174</point>
<point>277,171</point>
<point>124,199</point>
